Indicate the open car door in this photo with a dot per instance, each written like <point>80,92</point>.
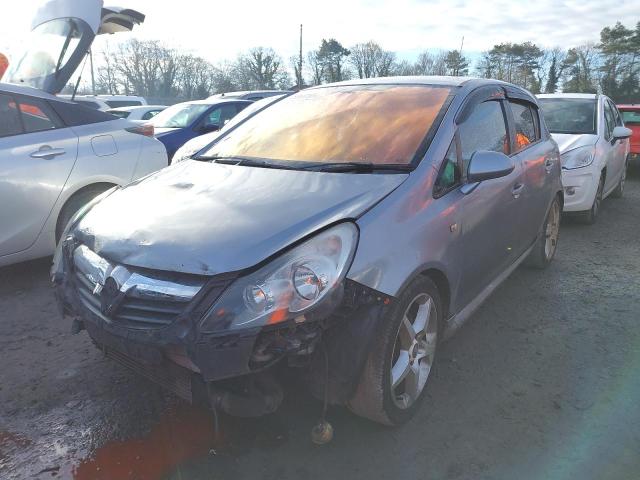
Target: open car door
<point>62,32</point>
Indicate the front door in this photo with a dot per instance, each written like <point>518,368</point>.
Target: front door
<point>37,154</point>
<point>490,213</point>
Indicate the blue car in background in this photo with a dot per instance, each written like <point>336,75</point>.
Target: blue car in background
<point>181,122</point>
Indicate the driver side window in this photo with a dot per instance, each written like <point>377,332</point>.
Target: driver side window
<point>485,129</point>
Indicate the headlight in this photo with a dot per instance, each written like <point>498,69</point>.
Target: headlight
<point>288,286</point>
<point>578,157</point>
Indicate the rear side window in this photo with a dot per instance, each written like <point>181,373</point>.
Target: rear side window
<point>9,117</point>
<point>37,115</point>
<point>526,132</point>
<point>119,114</point>
<point>72,114</point>
<point>150,114</point>
<point>485,129</point>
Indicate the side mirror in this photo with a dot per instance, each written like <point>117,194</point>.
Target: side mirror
<point>621,133</point>
<point>486,165</point>
<point>209,128</point>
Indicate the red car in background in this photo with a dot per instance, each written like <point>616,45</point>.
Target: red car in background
<point>631,116</point>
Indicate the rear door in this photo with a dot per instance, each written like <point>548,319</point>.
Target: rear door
<point>37,154</point>
<point>491,213</point>
<point>538,159</point>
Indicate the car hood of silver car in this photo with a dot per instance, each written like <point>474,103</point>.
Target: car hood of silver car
<point>568,141</point>
<point>206,218</point>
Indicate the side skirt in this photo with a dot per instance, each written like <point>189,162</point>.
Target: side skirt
<point>456,321</point>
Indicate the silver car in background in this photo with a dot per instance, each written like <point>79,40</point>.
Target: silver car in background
<point>343,231</point>
<point>55,156</point>
<point>594,146</point>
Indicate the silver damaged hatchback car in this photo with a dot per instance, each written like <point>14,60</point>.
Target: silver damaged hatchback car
<point>341,233</point>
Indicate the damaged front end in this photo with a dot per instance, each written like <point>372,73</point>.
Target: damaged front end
<point>217,338</point>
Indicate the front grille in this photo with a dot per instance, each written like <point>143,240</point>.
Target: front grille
<point>133,312</point>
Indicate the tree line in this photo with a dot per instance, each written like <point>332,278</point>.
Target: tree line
<point>151,69</point>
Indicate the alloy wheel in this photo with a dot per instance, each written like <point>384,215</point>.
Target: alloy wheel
<point>552,231</point>
<point>414,351</point>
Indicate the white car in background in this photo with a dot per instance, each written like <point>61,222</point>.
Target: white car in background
<point>593,144</point>
<point>106,102</point>
<point>55,156</point>
<point>137,114</point>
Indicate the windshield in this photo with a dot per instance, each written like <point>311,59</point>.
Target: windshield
<point>377,124</point>
<point>179,116</point>
<point>631,117</point>
<point>569,115</point>
<point>51,45</point>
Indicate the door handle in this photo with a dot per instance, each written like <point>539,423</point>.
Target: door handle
<point>47,152</point>
<point>517,190</point>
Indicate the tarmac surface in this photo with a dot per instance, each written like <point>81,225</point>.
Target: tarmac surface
<point>542,383</point>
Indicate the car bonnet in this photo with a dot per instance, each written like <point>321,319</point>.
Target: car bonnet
<point>204,218</point>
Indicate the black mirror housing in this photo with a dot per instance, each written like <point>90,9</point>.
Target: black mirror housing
<point>485,165</point>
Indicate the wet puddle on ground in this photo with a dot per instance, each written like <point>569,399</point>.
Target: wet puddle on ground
<point>183,433</point>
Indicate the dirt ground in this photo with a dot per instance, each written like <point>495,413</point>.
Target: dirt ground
<point>542,383</point>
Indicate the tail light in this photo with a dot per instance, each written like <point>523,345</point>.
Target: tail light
<point>145,129</point>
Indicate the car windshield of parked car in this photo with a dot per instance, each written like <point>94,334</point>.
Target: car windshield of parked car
<point>631,117</point>
<point>179,116</point>
<point>372,124</point>
<point>569,115</point>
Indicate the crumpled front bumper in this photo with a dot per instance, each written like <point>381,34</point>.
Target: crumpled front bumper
<point>175,354</point>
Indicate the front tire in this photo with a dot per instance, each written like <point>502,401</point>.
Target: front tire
<point>619,191</point>
<point>401,357</point>
<point>589,217</point>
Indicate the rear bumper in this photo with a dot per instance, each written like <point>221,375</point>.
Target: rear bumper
<point>580,187</point>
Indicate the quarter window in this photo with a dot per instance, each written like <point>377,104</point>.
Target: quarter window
<point>485,129</point>
<point>525,126</point>
<point>449,175</point>
<point>9,117</point>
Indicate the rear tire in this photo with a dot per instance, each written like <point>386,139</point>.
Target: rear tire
<point>590,216</point>
<point>402,352</point>
<point>546,246</point>
<point>75,203</point>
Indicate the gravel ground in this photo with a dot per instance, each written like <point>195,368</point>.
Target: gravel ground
<point>542,383</point>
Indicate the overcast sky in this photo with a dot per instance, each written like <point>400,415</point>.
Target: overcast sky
<point>219,30</point>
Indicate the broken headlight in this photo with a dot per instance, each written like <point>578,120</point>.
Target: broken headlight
<point>289,285</point>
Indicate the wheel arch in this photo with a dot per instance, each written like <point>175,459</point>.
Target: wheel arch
<point>97,185</point>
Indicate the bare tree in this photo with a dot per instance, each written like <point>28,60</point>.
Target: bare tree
<point>315,66</point>
<point>261,68</point>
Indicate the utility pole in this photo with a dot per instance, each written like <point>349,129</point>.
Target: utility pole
<point>300,62</point>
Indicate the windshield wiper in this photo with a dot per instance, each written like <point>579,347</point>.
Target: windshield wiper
<point>246,162</point>
<point>359,167</point>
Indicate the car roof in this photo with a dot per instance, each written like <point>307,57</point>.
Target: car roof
<point>136,107</point>
<point>412,80</point>
<point>216,101</point>
<point>568,95</point>
<point>29,91</point>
